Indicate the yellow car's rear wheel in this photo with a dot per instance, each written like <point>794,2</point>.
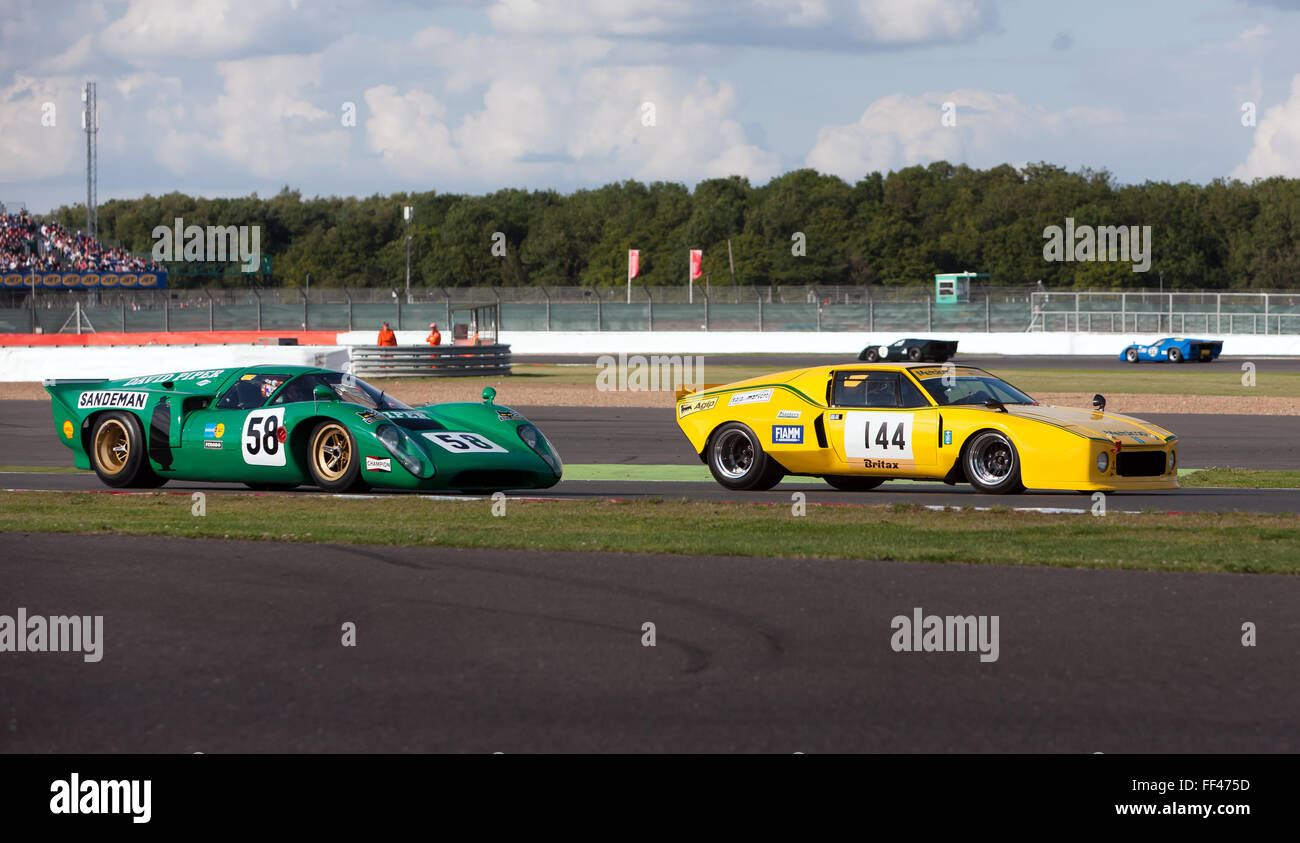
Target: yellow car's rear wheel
<point>737,460</point>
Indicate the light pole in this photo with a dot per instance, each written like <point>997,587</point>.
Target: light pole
<point>407,213</point>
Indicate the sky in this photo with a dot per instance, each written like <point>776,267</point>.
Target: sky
<point>230,97</point>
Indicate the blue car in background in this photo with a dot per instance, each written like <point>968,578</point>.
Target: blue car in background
<point>1174,350</point>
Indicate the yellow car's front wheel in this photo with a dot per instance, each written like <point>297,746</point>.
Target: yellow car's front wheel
<point>992,463</point>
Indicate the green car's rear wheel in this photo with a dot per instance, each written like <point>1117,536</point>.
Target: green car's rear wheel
<point>118,453</point>
<point>737,460</point>
<point>332,458</point>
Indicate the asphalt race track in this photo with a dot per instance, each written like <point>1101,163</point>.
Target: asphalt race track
<point>229,646</point>
<point>641,437</point>
<point>225,646</point>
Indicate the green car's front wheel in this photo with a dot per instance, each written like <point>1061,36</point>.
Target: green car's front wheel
<point>332,458</point>
<point>118,452</point>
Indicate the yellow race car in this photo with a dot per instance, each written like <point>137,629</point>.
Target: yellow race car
<point>856,426</point>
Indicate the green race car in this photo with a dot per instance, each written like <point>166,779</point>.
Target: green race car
<point>276,427</point>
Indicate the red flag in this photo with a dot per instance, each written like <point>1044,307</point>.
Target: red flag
<point>697,263</point>
<point>633,263</point>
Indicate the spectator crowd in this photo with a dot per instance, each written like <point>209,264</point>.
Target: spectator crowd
<point>29,245</point>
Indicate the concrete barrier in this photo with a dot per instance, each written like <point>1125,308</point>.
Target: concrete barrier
<point>40,363</point>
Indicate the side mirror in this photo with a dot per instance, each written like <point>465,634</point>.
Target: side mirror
<point>1099,402</point>
<point>323,393</point>
<point>995,404</point>
<point>489,393</point>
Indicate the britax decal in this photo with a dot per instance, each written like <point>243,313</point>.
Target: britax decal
<point>758,396</point>
<point>129,400</point>
<point>788,414</point>
<point>377,464</point>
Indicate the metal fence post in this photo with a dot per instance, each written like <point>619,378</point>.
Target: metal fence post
<point>929,315</point>
<point>259,309</point>
<point>1266,298</point>
<point>600,319</point>
<point>123,314</point>
<point>988,313</point>
<point>306,313</point>
<point>349,298</point>
<point>167,313</point>
<point>1218,313</point>
<point>650,307</point>
<point>548,306</point>
<point>212,309</point>
<point>760,312</point>
<point>398,322</point>
<point>706,310</point>
<point>819,315</point>
<point>871,312</point>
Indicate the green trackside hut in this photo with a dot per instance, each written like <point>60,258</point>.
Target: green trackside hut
<point>954,287</point>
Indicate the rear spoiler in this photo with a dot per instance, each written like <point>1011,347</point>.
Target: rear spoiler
<point>62,381</point>
<point>683,391</point>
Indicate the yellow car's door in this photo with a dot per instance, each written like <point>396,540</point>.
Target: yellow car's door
<point>879,422</point>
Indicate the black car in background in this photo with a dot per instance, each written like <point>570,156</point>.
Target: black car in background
<point>911,349</point>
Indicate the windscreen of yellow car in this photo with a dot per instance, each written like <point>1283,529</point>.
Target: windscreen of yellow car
<point>953,387</point>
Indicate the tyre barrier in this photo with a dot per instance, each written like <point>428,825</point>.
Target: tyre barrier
<point>447,361</point>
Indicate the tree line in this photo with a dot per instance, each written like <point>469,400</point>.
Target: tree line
<point>799,228</point>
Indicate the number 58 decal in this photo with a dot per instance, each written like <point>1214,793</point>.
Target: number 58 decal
<point>464,443</point>
<point>264,437</point>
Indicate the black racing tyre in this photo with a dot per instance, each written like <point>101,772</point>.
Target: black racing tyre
<point>332,457</point>
<point>914,354</point>
<point>1131,355</point>
<point>870,354</point>
<point>119,455</point>
<point>1175,355</point>
<point>737,460</point>
<point>850,483</point>
<point>992,464</point>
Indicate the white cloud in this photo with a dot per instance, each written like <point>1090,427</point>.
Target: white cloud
<point>991,128</point>
<point>263,122</point>
<point>588,129</point>
<point>815,24</point>
<point>30,150</point>
<point>1276,147</point>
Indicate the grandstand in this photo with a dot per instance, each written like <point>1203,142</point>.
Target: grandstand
<point>28,244</point>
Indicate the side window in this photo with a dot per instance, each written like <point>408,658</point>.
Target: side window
<point>866,389</point>
<point>299,389</point>
<point>913,397</point>
<point>250,392</point>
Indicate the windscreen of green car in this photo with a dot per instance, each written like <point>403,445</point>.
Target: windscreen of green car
<point>347,388</point>
<point>973,389</point>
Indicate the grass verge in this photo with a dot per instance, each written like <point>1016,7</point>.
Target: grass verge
<point>1240,478</point>
<point>1233,542</point>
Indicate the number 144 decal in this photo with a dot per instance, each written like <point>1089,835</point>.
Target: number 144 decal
<point>878,435</point>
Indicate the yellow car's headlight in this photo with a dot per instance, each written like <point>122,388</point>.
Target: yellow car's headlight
<point>1103,462</point>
